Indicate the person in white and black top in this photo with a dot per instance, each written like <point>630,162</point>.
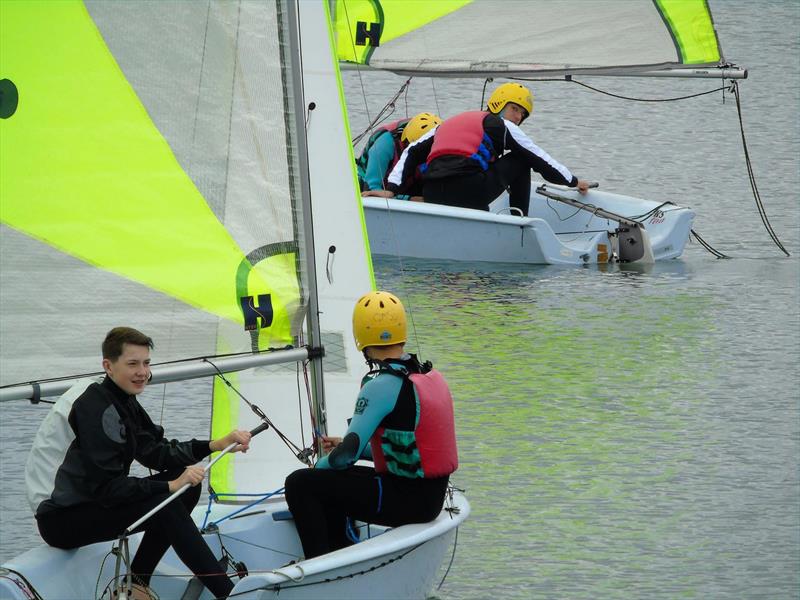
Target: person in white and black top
<point>91,497</point>
<point>470,159</point>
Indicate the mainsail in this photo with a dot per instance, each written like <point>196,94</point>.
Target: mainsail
<point>462,38</point>
<point>151,175</point>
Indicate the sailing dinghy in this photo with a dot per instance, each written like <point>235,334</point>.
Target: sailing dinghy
<point>529,40</point>
<point>159,168</point>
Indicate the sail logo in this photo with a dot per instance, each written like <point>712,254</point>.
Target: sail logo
<point>373,34</point>
<point>253,313</point>
<point>9,98</point>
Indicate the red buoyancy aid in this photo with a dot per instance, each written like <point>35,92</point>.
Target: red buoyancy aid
<point>434,436</point>
<point>461,135</point>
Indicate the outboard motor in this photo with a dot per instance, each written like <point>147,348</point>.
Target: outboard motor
<point>634,244</point>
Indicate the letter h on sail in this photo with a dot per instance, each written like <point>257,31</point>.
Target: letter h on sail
<point>252,312</point>
<point>363,34</point>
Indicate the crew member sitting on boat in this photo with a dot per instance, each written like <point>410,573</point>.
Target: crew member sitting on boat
<point>92,497</point>
<point>403,422</point>
<point>470,159</point>
<point>383,149</point>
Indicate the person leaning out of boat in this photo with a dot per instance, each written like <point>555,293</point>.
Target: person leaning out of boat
<point>383,149</point>
<point>403,422</point>
<point>470,159</point>
<point>92,497</point>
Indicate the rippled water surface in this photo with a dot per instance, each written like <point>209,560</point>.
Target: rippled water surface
<point>623,433</point>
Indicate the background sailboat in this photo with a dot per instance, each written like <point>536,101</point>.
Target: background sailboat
<point>161,170</point>
<point>530,40</point>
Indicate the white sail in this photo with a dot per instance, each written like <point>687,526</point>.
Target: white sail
<point>531,38</point>
<point>141,170</point>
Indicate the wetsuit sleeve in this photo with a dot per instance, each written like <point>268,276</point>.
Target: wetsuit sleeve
<point>102,458</point>
<point>376,399</point>
<point>379,157</point>
<point>155,452</point>
<point>416,154</point>
<point>540,161</point>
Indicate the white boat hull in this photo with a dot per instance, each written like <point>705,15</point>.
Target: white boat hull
<point>553,233</point>
<point>399,563</point>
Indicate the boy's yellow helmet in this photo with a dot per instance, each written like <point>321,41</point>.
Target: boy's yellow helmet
<point>418,126</point>
<point>379,319</point>
<point>510,92</point>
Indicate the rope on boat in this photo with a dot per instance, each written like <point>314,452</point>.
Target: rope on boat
<point>675,99</point>
<point>751,175</point>
<point>279,586</point>
<point>708,246</point>
<point>450,564</point>
<point>100,574</point>
<point>214,495</point>
<point>696,235</point>
<point>21,582</point>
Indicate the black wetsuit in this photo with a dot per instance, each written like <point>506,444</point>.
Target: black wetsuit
<point>324,498</point>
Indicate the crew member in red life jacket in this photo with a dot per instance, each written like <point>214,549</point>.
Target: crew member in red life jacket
<point>384,148</point>
<point>403,422</point>
<point>471,158</point>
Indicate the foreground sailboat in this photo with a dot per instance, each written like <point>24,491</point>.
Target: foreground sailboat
<point>159,169</point>
<point>532,39</point>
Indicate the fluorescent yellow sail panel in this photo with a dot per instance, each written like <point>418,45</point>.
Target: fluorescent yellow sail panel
<point>85,170</point>
<point>394,17</point>
<point>692,29</point>
<point>225,419</point>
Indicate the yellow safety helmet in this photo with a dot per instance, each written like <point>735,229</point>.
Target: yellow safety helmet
<point>379,319</point>
<point>510,92</point>
<point>418,126</point>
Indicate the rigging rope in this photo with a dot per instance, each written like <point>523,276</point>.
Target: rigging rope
<point>675,99</point>
<point>300,454</point>
<point>384,113</point>
<point>751,175</point>
<point>707,246</point>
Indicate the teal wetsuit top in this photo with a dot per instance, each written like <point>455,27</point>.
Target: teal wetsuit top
<point>380,157</point>
<point>377,398</point>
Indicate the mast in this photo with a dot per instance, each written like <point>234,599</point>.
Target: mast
<point>314,334</point>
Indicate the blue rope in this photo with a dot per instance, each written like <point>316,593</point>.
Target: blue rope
<point>351,534</point>
<point>214,496</point>
<point>380,492</point>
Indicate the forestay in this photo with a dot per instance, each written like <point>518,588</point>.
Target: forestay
<point>151,175</point>
<point>531,38</point>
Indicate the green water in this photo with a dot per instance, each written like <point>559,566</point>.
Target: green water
<point>621,433</point>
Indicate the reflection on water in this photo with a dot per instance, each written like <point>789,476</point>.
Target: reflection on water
<point>604,445</point>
